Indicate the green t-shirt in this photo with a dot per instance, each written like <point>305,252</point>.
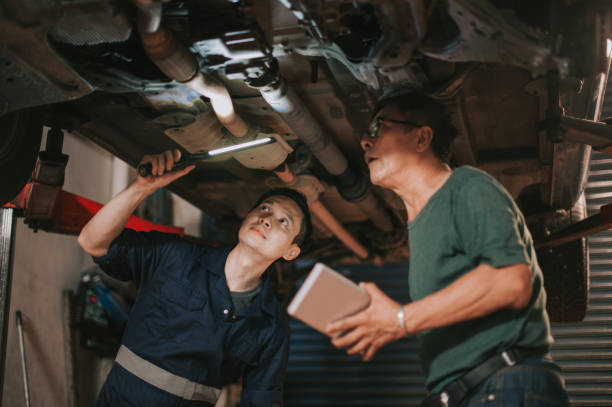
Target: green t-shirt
<point>242,299</point>
<point>472,220</point>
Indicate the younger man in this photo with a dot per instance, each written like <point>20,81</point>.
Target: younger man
<point>203,317</point>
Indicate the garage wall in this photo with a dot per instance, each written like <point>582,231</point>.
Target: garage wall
<point>321,375</point>
<point>584,350</point>
<point>44,265</point>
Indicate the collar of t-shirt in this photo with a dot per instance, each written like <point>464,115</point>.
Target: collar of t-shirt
<point>241,300</point>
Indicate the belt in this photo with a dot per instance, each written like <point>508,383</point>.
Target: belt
<point>454,393</point>
<point>164,380</point>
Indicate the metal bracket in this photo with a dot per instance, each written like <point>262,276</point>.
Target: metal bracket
<point>597,134</point>
<point>47,181</point>
<point>561,127</point>
<point>591,225</point>
<point>552,124</point>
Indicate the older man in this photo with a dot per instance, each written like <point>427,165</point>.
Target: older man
<point>478,305</point>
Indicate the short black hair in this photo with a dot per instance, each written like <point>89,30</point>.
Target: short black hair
<point>426,111</point>
<point>303,236</point>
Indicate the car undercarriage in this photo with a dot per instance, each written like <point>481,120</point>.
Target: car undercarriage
<point>139,77</point>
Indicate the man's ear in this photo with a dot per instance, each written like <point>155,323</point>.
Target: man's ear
<point>424,137</point>
<point>292,253</point>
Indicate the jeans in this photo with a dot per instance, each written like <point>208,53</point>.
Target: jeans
<point>535,382</point>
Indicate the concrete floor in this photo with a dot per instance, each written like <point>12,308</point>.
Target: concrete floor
<point>44,265</point>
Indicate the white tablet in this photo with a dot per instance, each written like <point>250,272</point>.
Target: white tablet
<point>326,296</point>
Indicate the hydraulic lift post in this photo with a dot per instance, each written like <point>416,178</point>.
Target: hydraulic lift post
<point>7,233</point>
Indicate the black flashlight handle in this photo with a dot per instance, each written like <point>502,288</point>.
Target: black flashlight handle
<point>146,169</point>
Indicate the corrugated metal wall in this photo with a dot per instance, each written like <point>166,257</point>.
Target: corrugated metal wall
<point>584,350</point>
<point>320,375</point>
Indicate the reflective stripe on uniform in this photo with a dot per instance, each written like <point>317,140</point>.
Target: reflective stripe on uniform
<point>164,380</point>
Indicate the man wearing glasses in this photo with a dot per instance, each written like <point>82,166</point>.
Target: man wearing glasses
<point>478,305</point>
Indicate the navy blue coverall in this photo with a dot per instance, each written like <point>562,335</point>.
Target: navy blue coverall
<point>182,322</point>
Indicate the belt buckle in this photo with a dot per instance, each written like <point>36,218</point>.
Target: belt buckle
<point>444,399</point>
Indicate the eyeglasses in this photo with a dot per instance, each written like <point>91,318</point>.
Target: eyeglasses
<point>375,125</point>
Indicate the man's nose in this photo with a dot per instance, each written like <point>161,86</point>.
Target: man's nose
<point>366,142</point>
<point>265,221</point>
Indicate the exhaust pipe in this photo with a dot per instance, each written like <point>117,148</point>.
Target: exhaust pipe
<point>176,61</point>
<point>351,186</point>
<point>311,188</point>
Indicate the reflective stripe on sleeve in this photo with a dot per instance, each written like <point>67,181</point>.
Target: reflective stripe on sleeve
<point>164,380</point>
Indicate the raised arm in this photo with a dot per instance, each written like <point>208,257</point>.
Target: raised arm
<point>97,235</point>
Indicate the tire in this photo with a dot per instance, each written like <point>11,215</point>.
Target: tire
<point>21,133</point>
<point>566,270</point>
